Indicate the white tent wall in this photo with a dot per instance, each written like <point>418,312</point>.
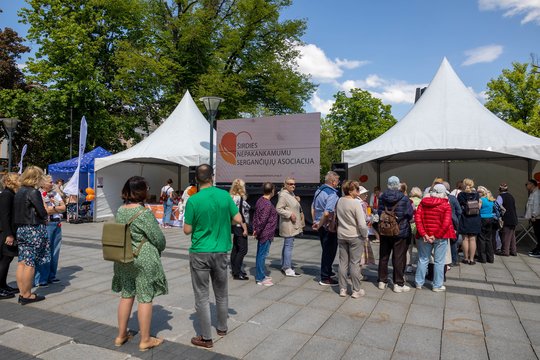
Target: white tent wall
<point>489,173</point>
<point>108,198</point>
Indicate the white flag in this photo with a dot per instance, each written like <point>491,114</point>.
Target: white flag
<point>23,152</point>
<point>72,187</point>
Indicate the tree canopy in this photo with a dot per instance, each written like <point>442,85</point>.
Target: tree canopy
<point>352,121</point>
<point>515,97</point>
<point>126,64</point>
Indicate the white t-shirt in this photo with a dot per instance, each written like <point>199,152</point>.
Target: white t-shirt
<point>167,189</point>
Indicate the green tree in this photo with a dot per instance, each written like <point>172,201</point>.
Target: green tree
<point>515,97</point>
<point>353,121</point>
<point>11,49</point>
<point>236,49</point>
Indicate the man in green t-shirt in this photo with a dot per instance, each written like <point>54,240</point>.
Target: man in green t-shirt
<point>208,217</point>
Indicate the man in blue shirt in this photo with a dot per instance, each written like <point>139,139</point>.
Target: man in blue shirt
<point>322,209</point>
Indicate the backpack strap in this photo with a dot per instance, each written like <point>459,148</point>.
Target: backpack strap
<point>138,250</point>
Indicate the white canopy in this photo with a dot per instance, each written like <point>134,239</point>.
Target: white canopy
<point>183,139</point>
<point>447,123</point>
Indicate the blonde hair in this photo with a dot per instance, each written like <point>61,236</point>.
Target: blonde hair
<point>468,185</point>
<point>45,180</point>
<point>238,187</point>
<point>484,190</point>
<point>11,181</point>
<point>416,192</point>
<point>31,176</point>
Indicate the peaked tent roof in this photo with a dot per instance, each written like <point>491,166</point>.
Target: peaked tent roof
<point>183,138</point>
<point>87,163</point>
<point>447,122</point>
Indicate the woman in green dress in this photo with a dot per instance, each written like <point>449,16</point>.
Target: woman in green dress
<point>144,277</point>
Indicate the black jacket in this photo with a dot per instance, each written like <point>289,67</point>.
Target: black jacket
<point>404,210</point>
<point>510,216</point>
<point>28,208</point>
<point>7,227</point>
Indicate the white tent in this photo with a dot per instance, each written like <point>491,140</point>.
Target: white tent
<point>448,133</point>
<point>182,140</point>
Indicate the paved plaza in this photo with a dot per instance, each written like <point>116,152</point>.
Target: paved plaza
<point>489,311</point>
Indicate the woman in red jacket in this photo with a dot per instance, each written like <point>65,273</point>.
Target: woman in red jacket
<point>433,220</point>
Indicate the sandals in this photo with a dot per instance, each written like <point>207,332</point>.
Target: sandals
<point>154,342</point>
<point>119,341</point>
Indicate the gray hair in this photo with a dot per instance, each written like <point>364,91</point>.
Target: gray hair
<point>330,176</point>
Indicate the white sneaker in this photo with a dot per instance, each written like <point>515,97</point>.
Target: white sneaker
<point>382,285</point>
<point>292,273</point>
<point>418,287</point>
<point>265,282</point>
<point>357,294</point>
<point>400,289</point>
<point>342,292</point>
<point>440,289</point>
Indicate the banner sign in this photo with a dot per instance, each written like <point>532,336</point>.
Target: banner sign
<point>269,149</point>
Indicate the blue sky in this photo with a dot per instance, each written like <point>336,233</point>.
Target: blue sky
<point>391,47</point>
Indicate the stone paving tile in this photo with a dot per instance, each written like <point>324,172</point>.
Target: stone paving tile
<point>532,328</point>
<point>275,293</point>
<point>459,346</point>
<point>6,325</point>
<point>322,348</point>
<point>390,311</point>
<point>275,315</point>
<point>245,309</point>
<point>243,340</point>
<point>459,283</point>
<point>327,301</point>
<point>341,327</point>
<point>426,316</point>
<point>379,333</point>
<point>498,307</point>
<point>527,310</point>
<point>517,290</point>
<point>430,298</point>
<point>358,351</point>
<point>506,328</point>
<point>301,296</point>
<point>74,351</point>
<point>280,345</point>
<point>359,308</point>
<point>12,354</point>
<point>405,298</point>
<point>32,341</point>
<point>463,321</point>
<point>418,342</point>
<point>504,350</point>
<point>460,301</point>
<point>307,320</point>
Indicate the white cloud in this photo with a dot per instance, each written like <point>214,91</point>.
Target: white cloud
<point>313,61</point>
<point>530,9</point>
<point>320,105</point>
<point>389,91</point>
<point>482,54</point>
<point>21,67</point>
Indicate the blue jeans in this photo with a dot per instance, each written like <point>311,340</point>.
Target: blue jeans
<point>424,253</point>
<point>262,253</point>
<point>47,272</point>
<point>167,211</point>
<point>286,253</point>
<point>206,266</point>
<point>454,250</point>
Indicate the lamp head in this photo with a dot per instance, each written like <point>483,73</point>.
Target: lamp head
<point>211,103</point>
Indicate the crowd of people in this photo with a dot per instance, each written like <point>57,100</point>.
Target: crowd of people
<point>436,222</point>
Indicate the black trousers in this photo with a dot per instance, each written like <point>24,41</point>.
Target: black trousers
<point>484,244</point>
<point>239,250</point>
<point>329,249</point>
<point>397,246</point>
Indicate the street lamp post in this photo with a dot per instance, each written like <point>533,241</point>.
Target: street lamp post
<point>211,103</point>
<point>10,124</point>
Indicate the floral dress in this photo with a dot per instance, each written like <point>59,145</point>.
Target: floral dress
<point>144,277</point>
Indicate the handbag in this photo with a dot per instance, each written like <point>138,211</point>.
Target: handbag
<point>116,241</point>
<point>333,221</point>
